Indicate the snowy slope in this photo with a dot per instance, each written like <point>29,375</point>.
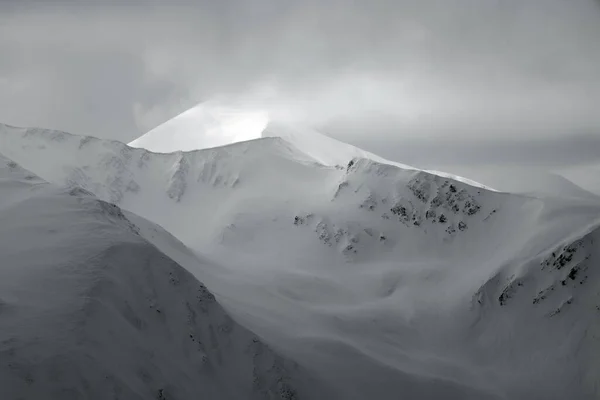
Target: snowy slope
<point>211,125</point>
<point>91,309</point>
<point>381,280</point>
<point>531,180</point>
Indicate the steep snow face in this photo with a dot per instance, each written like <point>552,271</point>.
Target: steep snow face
<point>382,280</point>
<point>210,125</point>
<point>90,309</point>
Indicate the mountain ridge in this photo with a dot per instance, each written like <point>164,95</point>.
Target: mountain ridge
<point>209,125</point>
<point>336,251</point>
<point>92,309</point>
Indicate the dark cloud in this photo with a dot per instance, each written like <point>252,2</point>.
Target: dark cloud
<point>367,69</point>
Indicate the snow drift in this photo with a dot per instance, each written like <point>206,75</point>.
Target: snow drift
<point>379,279</point>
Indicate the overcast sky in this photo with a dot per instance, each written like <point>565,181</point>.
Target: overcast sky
<point>375,71</point>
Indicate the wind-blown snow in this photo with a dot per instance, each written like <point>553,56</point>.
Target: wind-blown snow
<point>210,125</point>
<point>203,127</point>
<point>383,281</point>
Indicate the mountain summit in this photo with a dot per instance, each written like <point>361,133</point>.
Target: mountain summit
<point>209,125</point>
<point>204,126</point>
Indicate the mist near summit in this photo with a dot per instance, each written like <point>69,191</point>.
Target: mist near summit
<point>396,69</point>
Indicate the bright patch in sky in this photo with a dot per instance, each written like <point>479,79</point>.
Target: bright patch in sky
<point>236,125</point>
<point>203,127</point>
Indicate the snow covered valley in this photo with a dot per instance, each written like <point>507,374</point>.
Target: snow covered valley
<point>368,279</point>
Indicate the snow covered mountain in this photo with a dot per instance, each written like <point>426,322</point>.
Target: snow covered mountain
<point>383,281</point>
<point>90,308</point>
<point>211,125</point>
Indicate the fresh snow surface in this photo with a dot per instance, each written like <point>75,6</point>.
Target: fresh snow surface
<point>91,309</point>
<point>211,125</point>
<point>382,281</point>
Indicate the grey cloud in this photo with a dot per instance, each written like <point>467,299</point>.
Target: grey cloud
<point>571,150</point>
<point>483,68</point>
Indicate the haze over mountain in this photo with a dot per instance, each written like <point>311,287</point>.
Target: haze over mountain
<point>379,279</point>
<point>214,124</point>
<point>211,124</point>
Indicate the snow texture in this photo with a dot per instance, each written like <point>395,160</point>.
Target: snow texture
<point>385,282</point>
<point>90,309</point>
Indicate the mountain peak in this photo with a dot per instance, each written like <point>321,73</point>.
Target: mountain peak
<point>203,126</point>
<point>209,125</point>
